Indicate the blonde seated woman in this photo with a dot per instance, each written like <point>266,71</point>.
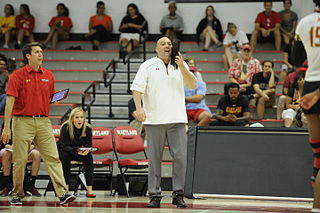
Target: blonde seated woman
<point>75,133</point>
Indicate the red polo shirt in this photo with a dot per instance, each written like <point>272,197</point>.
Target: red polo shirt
<point>32,90</point>
<point>268,22</point>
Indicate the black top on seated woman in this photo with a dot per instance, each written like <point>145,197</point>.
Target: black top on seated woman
<point>75,133</point>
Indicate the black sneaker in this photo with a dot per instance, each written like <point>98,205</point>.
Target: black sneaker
<point>154,201</point>
<point>67,198</point>
<point>177,199</point>
<point>15,201</point>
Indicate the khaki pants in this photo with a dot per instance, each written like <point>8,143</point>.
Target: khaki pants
<point>28,129</point>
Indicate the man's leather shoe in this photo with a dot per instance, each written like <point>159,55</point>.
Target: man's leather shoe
<point>177,199</point>
<point>154,201</point>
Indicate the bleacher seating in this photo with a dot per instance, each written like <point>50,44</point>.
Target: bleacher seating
<point>77,69</point>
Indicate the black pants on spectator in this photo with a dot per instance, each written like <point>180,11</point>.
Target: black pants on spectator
<point>87,161</point>
<point>101,35</point>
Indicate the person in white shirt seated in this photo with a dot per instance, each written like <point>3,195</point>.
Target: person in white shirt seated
<point>233,43</point>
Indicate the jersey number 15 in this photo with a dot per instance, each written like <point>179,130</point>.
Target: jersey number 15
<point>314,34</point>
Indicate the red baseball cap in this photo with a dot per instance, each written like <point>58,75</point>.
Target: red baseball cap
<point>246,47</point>
<point>192,69</point>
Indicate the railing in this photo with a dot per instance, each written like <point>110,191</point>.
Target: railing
<point>65,116</point>
<point>143,36</point>
<point>124,50</point>
<point>110,72</point>
<point>86,93</point>
<point>107,80</point>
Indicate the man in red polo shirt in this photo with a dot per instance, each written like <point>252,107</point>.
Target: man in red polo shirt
<point>28,101</point>
<point>267,26</point>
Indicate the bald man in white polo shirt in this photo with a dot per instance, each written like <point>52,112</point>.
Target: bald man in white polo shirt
<point>160,86</point>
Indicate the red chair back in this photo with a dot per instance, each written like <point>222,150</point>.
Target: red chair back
<point>102,139</point>
<point>56,131</point>
<point>127,140</point>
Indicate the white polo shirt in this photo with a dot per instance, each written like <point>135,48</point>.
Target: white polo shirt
<point>308,30</point>
<point>163,92</point>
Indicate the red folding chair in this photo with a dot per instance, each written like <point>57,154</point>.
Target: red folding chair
<point>127,141</point>
<point>102,139</point>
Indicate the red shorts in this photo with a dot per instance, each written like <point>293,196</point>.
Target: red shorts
<point>193,114</point>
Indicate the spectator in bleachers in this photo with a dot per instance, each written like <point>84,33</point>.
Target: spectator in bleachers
<point>6,155</point>
<point>133,121</point>
<point>292,103</point>
<point>209,29</point>
<point>4,75</point>
<point>197,109</point>
<point>34,155</point>
<point>267,26</point>
<point>3,57</point>
<point>242,70</point>
<point>171,25</point>
<point>264,84</point>
<point>10,63</point>
<point>7,25</point>
<point>289,20</point>
<point>233,43</point>
<point>60,26</point>
<point>129,28</point>
<point>287,85</point>
<point>193,69</point>
<point>287,66</point>
<point>233,108</point>
<point>100,26</point>
<point>24,25</point>
<point>76,133</point>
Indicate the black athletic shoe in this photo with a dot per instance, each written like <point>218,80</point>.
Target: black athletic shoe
<point>177,199</point>
<point>67,198</point>
<point>154,201</point>
<point>15,201</point>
